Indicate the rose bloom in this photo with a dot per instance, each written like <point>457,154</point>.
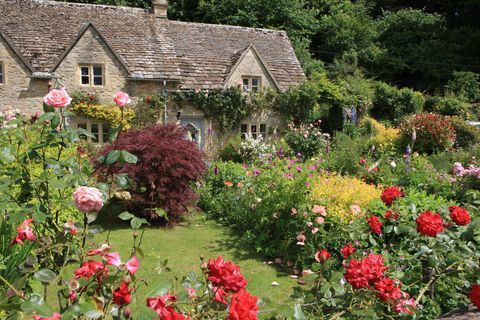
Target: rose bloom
<point>220,295</point>
<point>375,224</point>
<point>225,274</point>
<point>322,256</point>
<point>348,250</point>
<point>389,214</point>
<point>89,268</point>
<point>132,265</point>
<point>121,98</point>
<point>365,272</point>
<point>474,295</point>
<point>391,194</point>
<point>243,306</point>
<point>459,215</point>
<point>388,290</point>
<point>55,316</point>
<point>121,295</point>
<point>57,98</point>
<point>319,210</point>
<point>88,199</point>
<point>429,224</point>
<point>163,307</point>
<point>24,232</point>
<point>405,306</point>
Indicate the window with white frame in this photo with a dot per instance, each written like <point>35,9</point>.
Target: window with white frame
<point>2,73</point>
<point>92,75</point>
<point>99,130</point>
<point>252,84</point>
<point>253,130</point>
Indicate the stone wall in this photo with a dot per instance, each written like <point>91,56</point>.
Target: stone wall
<point>19,90</point>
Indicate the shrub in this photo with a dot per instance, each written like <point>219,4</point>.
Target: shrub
<point>390,103</point>
<point>382,137</point>
<point>466,134</point>
<point>449,105</point>
<point>306,140</point>
<point>465,84</point>
<point>109,113</point>
<point>339,193</point>
<point>231,150</point>
<point>167,165</point>
<point>148,110</point>
<point>345,153</point>
<point>434,132</point>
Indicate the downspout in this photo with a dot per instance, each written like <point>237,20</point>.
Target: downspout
<point>164,94</point>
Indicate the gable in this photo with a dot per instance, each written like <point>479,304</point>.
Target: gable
<point>250,64</point>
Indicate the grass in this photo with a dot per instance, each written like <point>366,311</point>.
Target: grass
<point>183,246</point>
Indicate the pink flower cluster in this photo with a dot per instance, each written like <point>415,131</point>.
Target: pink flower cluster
<point>471,171</point>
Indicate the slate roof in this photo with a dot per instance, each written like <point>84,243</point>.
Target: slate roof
<point>198,55</point>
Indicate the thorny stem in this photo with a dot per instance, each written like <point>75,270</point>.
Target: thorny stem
<point>18,293</point>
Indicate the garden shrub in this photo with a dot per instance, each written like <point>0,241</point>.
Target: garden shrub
<point>306,141</point>
<point>449,105</point>
<point>382,137</point>
<point>465,84</point>
<point>345,153</point>
<point>231,150</point>
<point>434,132</point>
<point>148,110</point>
<point>167,166</point>
<point>466,134</point>
<point>339,193</point>
<point>391,103</point>
<point>109,113</point>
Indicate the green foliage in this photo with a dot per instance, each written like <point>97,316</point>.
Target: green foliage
<point>465,84</point>
<point>111,114</point>
<point>449,105</point>
<point>346,151</point>
<point>390,103</point>
<point>466,134</point>
<point>299,103</point>
<point>82,97</point>
<point>148,110</point>
<point>306,141</point>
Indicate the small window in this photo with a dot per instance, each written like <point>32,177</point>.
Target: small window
<point>91,75</point>
<point>253,130</point>
<point>251,84</point>
<point>2,73</point>
<point>99,130</point>
<point>244,131</point>
<point>105,132</point>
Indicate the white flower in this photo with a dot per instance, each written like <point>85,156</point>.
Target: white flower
<point>393,164</point>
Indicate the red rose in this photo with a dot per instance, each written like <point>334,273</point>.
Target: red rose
<point>89,268</point>
<point>375,224</point>
<point>459,215</point>
<point>121,295</point>
<point>163,307</point>
<point>225,274</point>
<point>389,214</point>
<point>391,194</point>
<point>366,272</point>
<point>243,306</point>
<point>322,256</point>
<point>474,295</point>
<point>347,250</point>
<point>388,290</point>
<point>429,223</point>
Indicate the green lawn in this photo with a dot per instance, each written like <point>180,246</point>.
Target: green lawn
<point>184,244</point>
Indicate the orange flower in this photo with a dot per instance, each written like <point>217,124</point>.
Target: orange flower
<point>228,183</point>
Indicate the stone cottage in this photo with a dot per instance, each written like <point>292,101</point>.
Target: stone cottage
<point>102,49</point>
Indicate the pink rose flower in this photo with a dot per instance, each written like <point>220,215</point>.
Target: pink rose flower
<point>113,259</point>
<point>121,98</point>
<point>319,210</point>
<point>57,98</point>
<point>88,199</point>
<point>132,265</point>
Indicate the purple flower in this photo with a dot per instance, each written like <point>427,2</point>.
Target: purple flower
<point>215,170</point>
<point>256,172</point>
<point>299,169</point>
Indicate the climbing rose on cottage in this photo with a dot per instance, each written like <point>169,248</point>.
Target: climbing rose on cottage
<point>225,274</point>
<point>121,98</point>
<point>57,98</point>
<point>88,199</point>
<point>391,194</point>
<point>429,224</point>
<point>459,215</point>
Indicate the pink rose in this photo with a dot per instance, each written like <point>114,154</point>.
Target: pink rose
<point>57,98</point>
<point>132,265</point>
<point>88,199</point>
<point>319,210</point>
<point>121,98</point>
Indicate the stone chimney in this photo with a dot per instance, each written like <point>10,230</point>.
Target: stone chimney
<point>159,8</point>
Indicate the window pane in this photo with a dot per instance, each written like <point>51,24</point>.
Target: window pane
<point>263,130</point>
<point>255,84</point>
<point>84,71</point>
<point>253,128</point>
<point>94,130</point>
<point>85,80</point>
<point>246,85</point>
<point>97,76</point>
<point>243,131</point>
<point>97,71</point>
<point>82,126</point>
<point>105,130</point>
<point>97,81</point>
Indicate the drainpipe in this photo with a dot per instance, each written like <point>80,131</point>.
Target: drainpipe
<point>164,94</point>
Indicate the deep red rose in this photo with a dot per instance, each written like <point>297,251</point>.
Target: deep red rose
<point>226,274</point>
<point>243,306</point>
<point>459,215</point>
<point>348,250</point>
<point>89,268</point>
<point>389,214</point>
<point>388,290</point>
<point>474,295</point>
<point>322,256</point>
<point>163,307</point>
<point>121,295</point>
<point>391,194</point>
<point>365,272</point>
<point>375,224</point>
<point>220,295</point>
<point>429,223</point>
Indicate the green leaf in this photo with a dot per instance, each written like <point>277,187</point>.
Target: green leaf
<point>136,223</point>
<point>55,122</point>
<point>45,275</point>
<point>144,313</point>
<point>94,229</point>
<point>85,133</point>
<point>92,216</point>
<point>298,312</point>
<point>112,157</point>
<point>113,133</point>
<point>128,157</point>
<point>158,289</point>
<point>121,181</point>
<point>36,304</point>
<point>126,215</point>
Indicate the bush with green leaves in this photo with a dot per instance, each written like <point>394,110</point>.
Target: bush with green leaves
<point>467,135</point>
<point>449,105</point>
<point>465,84</point>
<point>308,140</point>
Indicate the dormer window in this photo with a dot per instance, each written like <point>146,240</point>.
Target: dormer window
<point>2,73</point>
<point>251,84</point>
<point>92,75</point>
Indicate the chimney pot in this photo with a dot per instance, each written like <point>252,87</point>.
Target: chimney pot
<point>159,8</point>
